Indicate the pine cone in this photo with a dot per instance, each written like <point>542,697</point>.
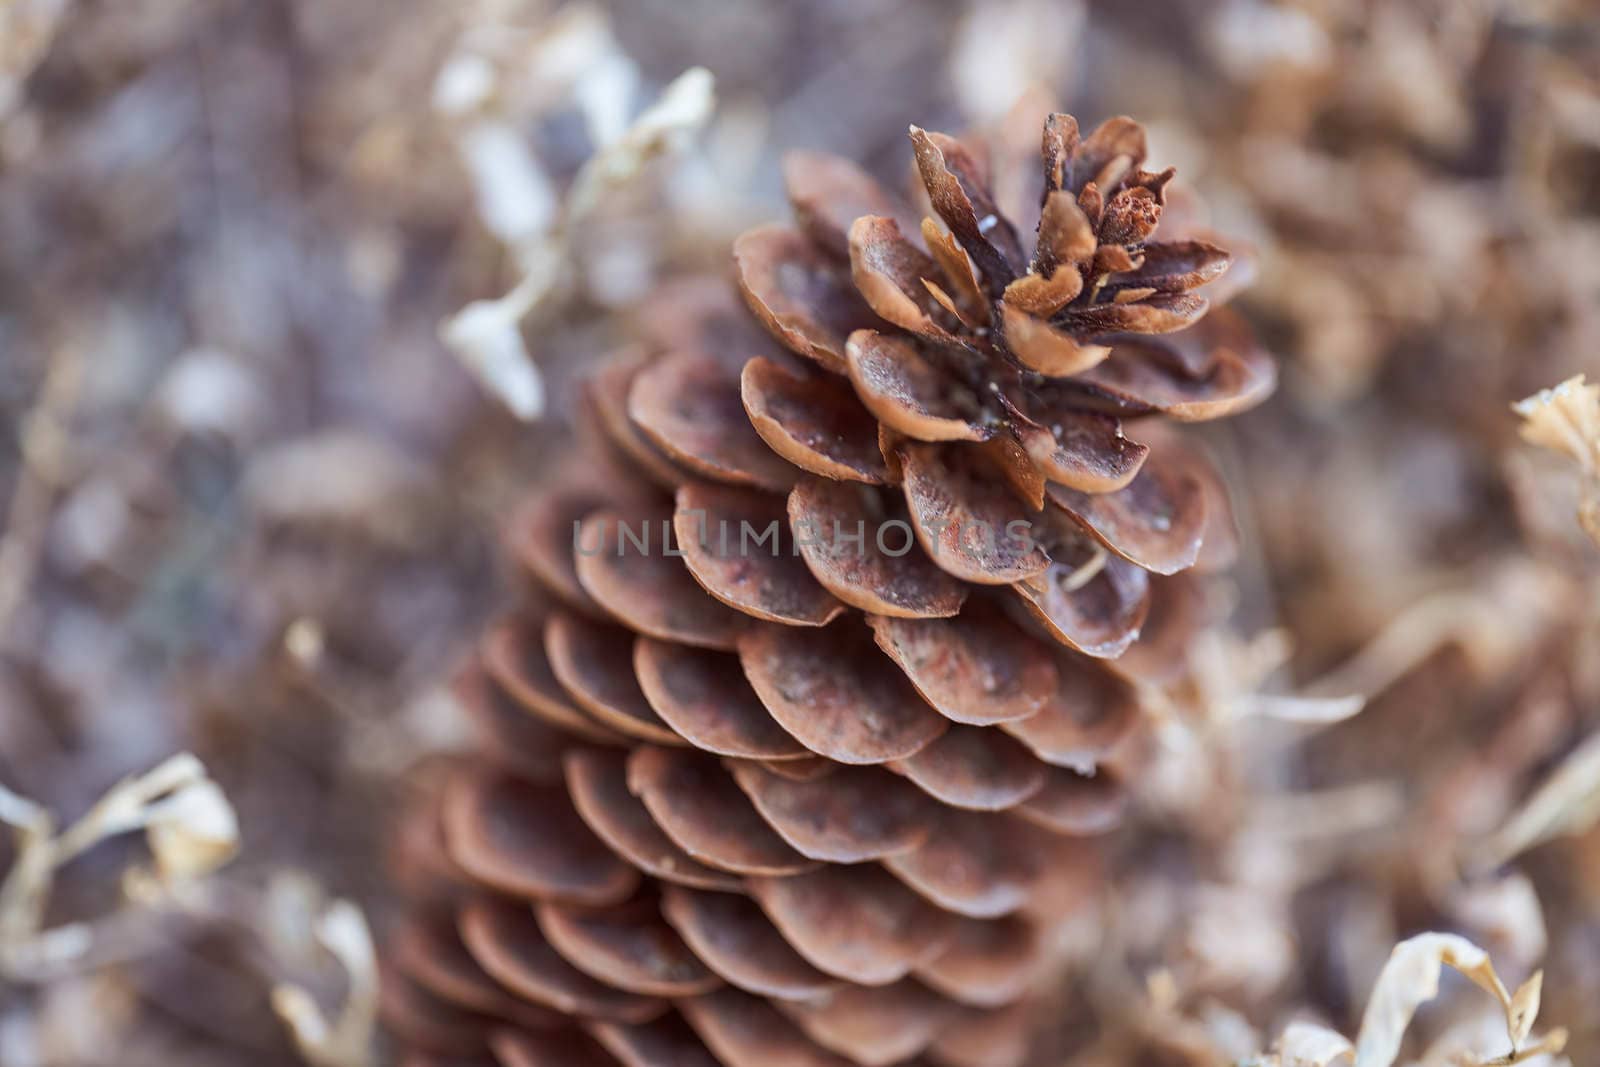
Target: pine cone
<point>836,808</point>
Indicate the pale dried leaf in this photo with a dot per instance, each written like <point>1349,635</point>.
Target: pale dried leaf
<point>1469,619</point>
<point>487,338</point>
<point>193,832</point>
<point>1524,1009</point>
<point>305,1021</point>
<point>291,907</point>
<point>465,83</point>
<point>664,127</point>
<point>343,931</point>
<point>1565,419</point>
<point>1310,1045</point>
<point>44,953</point>
<point>189,825</point>
<point>1312,711</point>
<point>516,199</point>
<point>1411,978</point>
<point>348,1041</point>
<point>24,815</point>
<point>1567,804</point>
<point>212,392</point>
<point>27,883</point>
<point>571,42</point>
<point>1229,673</point>
<point>605,93</point>
<point>520,207</point>
<point>130,805</point>
<point>1552,1044</point>
<point>1229,1032</point>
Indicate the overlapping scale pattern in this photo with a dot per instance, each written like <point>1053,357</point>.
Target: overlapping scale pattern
<point>795,752</point>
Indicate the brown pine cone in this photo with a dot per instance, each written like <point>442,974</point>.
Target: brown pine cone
<point>792,754</point>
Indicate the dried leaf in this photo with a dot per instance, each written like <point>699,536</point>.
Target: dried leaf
<point>348,1041</point>
<point>1310,1045</point>
<point>1567,804</point>
<point>683,107</point>
<point>1230,674</point>
<point>486,337</point>
<point>1422,629</point>
<point>189,824</point>
<point>212,392</point>
<point>1411,977</point>
<point>465,83</point>
<point>516,200</point>
<point>1308,711</point>
<point>520,209</point>
<point>1551,1044</point>
<point>1566,420</point>
<point>176,795</point>
<point>27,884</point>
<point>193,832</point>
<point>1524,1009</point>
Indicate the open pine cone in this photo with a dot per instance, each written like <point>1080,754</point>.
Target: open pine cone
<point>792,754</point>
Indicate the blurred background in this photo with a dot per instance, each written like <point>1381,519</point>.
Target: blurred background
<point>254,450</point>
